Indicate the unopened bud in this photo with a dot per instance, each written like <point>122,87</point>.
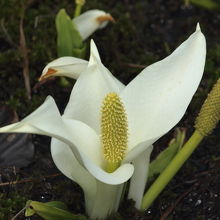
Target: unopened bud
<point>209,114</point>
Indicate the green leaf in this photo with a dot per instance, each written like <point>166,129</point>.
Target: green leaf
<point>163,159</point>
<point>207,4</point>
<point>80,52</point>
<point>68,37</point>
<point>58,204</point>
<point>54,210</point>
<point>29,211</point>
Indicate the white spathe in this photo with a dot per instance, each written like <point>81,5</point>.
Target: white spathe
<point>91,20</point>
<point>86,24</point>
<point>64,66</point>
<point>154,102</point>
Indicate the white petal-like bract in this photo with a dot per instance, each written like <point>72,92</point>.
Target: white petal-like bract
<point>88,22</point>
<point>159,96</point>
<point>64,66</point>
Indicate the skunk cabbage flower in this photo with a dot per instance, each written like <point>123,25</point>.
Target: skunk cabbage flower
<point>107,130</point>
<point>91,20</point>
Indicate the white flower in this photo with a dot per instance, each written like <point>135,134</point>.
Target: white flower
<point>91,20</point>
<point>64,66</point>
<point>151,105</point>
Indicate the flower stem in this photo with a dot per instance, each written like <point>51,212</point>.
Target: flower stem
<point>186,3</point>
<point>105,201</point>
<point>79,5</point>
<point>171,170</point>
<point>77,11</point>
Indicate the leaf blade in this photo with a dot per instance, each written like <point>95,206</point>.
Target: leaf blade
<point>68,37</point>
<point>54,210</point>
<point>163,159</point>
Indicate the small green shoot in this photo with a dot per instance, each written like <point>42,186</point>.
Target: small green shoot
<point>69,41</point>
<point>54,210</point>
<point>164,158</point>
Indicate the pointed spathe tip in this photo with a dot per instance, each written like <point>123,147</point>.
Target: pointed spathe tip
<point>92,42</point>
<point>104,18</point>
<point>94,54</point>
<point>198,27</point>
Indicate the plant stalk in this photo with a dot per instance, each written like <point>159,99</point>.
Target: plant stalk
<point>171,170</point>
<point>77,11</point>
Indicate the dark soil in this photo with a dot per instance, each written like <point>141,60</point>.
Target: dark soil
<point>145,31</point>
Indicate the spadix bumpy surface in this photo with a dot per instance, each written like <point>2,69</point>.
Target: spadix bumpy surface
<point>114,131</point>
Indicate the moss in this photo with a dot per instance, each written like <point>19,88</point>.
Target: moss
<point>10,204</point>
